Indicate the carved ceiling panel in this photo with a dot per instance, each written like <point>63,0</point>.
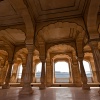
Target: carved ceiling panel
<point>8,15</point>
<point>44,10</point>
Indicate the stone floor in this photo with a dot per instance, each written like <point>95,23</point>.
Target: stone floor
<point>63,93</point>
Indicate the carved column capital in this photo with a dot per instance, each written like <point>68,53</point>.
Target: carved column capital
<point>80,58</point>
<point>42,59</point>
<point>30,48</point>
<point>10,61</point>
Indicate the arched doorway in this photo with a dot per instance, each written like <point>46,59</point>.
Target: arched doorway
<point>38,72</point>
<point>61,72</point>
<point>19,73</point>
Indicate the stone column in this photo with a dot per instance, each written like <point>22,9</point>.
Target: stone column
<point>76,75</point>
<point>43,81</point>
<point>83,74</point>
<point>7,80</point>
<point>42,59</point>
<point>76,72</point>
<point>3,73</point>
<point>49,78</point>
<point>96,56</point>
<point>28,73</point>
<point>95,79</point>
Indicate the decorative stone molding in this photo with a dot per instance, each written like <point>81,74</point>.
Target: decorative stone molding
<point>61,56</point>
<point>61,48</point>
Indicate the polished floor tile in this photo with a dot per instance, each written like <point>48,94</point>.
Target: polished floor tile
<point>63,93</point>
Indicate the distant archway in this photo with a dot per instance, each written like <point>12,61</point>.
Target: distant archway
<point>61,72</point>
<point>19,73</point>
<point>38,72</point>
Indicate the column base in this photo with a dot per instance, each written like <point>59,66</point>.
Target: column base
<point>26,91</point>
<point>5,86</point>
<point>85,87</point>
<point>42,87</point>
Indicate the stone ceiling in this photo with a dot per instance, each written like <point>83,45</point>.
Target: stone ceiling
<point>8,15</point>
<point>44,10</point>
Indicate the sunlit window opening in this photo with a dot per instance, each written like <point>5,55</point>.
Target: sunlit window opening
<point>38,72</point>
<point>12,69</point>
<point>61,72</point>
<point>19,73</point>
<point>88,72</point>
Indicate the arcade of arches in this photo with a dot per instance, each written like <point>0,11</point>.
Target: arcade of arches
<point>28,38</point>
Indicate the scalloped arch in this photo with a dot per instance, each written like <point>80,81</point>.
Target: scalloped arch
<point>87,47</point>
<point>73,30</point>
<point>62,25</point>
<point>61,56</point>
<point>21,53</point>
<point>61,48</point>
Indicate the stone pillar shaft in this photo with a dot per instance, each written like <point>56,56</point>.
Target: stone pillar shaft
<point>76,74</point>
<point>27,79</point>
<point>43,76</point>
<point>97,64</point>
<point>96,56</point>
<point>43,73</point>
<point>49,73</point>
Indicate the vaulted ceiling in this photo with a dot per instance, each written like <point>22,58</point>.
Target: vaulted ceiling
<point>21,19</point>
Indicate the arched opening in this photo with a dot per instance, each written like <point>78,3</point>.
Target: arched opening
<point>12,69</point>
<point>61,72</point>
<point>19,73</point>
<point>88,71</point>
<point>38,72</point>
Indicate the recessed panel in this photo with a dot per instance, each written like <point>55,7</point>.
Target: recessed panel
<point>6,9</point>
<point>56,4</point>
